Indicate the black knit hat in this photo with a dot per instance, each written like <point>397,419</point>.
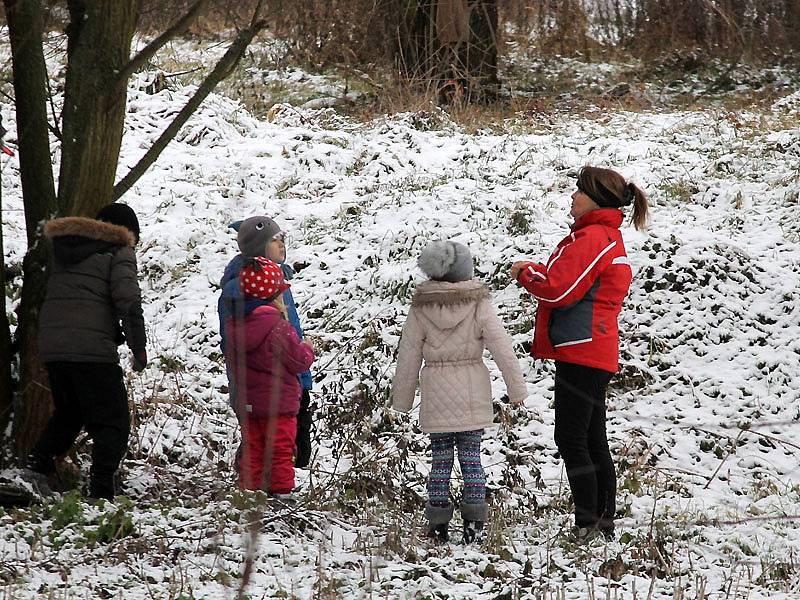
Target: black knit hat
<point>120,214</point>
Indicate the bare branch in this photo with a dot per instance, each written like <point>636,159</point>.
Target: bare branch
<point>54,128</point>
<point>179,27</point>
<point>222,69</point>
<point>257,13</point>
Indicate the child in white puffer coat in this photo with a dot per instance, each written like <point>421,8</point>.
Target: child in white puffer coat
<point>450,323</point>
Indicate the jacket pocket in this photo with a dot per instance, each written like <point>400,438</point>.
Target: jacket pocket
<point>573,324</point>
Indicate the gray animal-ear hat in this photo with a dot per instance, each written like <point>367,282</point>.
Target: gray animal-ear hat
<point>254,233</point>
<point>446,261</point>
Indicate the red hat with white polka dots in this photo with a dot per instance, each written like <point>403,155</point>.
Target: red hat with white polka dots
<point>262,278</point>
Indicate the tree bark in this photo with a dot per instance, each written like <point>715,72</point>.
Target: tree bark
<point>31,407</point>
<point>33,401</point>
<point>480,54</point>
<point>6,352</point>
<point>30,89</point>
<point>98,47</point>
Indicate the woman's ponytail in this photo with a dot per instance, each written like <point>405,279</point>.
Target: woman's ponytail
<point>641,209</point>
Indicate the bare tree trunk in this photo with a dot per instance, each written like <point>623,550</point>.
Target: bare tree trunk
<point>479,55</point>
<point>31,406</point>
<point>30,88</point>
<point>34,403</point>
<point>6,352</point>
<point>99,46</point>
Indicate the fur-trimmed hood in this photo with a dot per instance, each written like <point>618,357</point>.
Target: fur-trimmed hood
<point>77,238</point>
<point>90,228</point>
<point>447,304</point>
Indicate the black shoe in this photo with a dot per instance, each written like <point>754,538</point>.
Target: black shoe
<point>40,463</point>
<point>237,460</point>
<point>473,531</point>
<point>438,533</point>
<point>584,535</point>
<point>38,481</point>
<point>608,533</point>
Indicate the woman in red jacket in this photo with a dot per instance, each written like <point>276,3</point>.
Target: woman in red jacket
<point>580,292</point>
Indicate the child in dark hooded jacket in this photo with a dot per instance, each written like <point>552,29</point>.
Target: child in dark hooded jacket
<point>93,304</point>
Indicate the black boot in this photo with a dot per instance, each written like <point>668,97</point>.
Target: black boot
<point>439,533</point>
<point>473,531</point>
<point>41,463</point>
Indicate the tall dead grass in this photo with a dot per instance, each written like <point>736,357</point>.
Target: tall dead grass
<point>754,30</point>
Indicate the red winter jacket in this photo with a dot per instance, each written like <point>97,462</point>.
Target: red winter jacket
<point>266,356</point>
<point>580,293</point>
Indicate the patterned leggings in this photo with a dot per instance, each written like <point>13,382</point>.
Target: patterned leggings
<point>469,456</point>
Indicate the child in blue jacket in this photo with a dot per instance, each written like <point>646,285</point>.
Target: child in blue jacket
<point>261,236</point>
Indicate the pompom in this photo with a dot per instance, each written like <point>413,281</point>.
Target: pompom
<point>446,261</point>
<point>436,259</point>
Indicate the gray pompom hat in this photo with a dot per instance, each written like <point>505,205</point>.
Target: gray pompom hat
<point>446,261</point>
<point>254,233</point>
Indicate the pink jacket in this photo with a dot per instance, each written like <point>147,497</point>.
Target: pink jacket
<point>266,356</point>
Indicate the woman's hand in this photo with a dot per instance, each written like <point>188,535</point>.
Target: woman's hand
<point>517,267</point>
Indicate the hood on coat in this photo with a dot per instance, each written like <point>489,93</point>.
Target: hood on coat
<point>77,238</point>
<point>254,328</point>
<point>447,304</point>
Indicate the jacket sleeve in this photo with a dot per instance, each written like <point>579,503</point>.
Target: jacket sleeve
<point>294,318</point>
<point>297,357</point>
<point>571,270</point>
<point>501,346</point>
<point>409,361</point>
<point>126,298</point>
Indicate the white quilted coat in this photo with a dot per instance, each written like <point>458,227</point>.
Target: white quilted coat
<point>448,326</point>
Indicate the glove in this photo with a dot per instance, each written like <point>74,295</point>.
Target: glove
<point>139,361</point>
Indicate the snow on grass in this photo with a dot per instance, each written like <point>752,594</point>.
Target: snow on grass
<point>702,419</point>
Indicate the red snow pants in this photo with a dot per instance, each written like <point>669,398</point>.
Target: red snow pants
<point>268,453</point>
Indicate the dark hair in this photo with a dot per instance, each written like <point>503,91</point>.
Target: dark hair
<point>607,188</point>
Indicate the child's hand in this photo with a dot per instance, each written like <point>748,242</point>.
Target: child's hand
<point>314,342</point>
<point>139,361</point>
<point>518,401</point>
<point>517,267</point>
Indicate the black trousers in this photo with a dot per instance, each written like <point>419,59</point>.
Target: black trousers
<point>87,396</point>
<point>580,434</point>
<point>303,442</point>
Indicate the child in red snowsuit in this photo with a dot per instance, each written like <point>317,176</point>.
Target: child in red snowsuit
<point>266,356</point>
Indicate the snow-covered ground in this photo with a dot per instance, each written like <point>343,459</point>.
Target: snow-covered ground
<point>703,419</point>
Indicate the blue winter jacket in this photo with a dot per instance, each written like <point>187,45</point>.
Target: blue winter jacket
<point>231,295</point>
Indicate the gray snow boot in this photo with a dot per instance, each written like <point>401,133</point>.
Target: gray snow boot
<point>438,521</point>
<point>474,516</point>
